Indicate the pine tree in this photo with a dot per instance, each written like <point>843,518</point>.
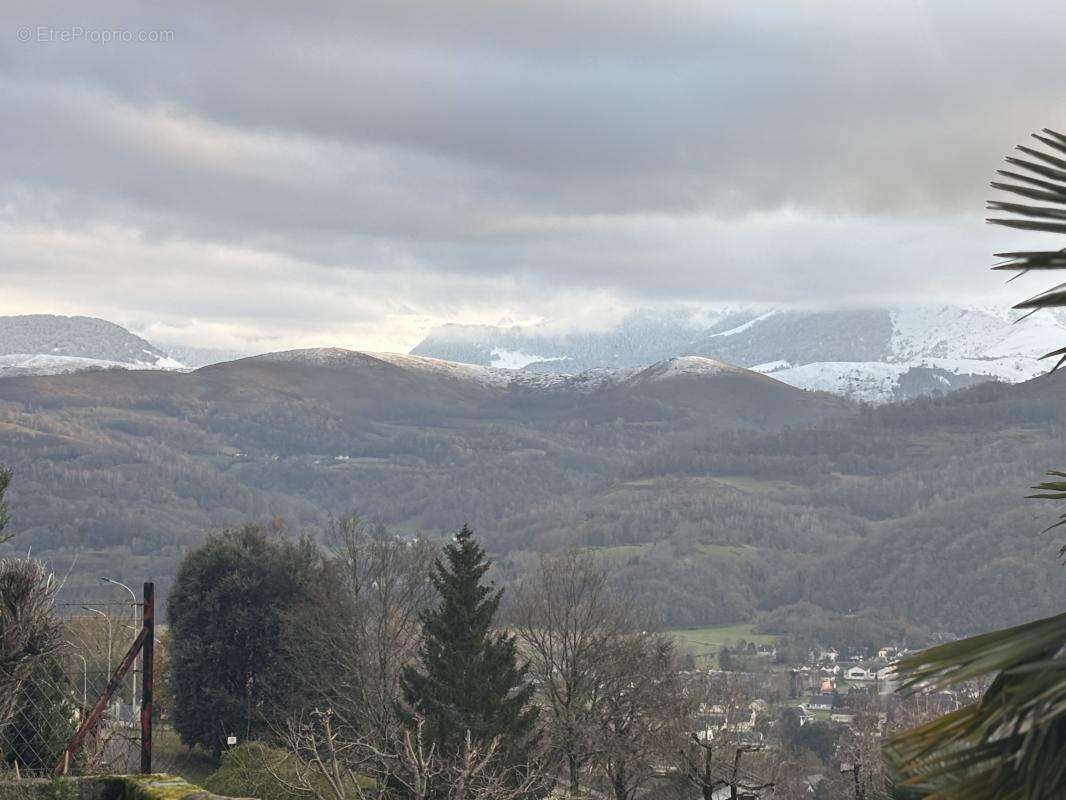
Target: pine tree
<point>469,678</point>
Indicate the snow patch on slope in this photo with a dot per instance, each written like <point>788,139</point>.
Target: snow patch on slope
<point>746,326</point>
<point>14,365</point>
<point>516,359</point>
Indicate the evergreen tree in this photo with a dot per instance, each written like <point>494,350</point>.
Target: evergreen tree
<point>226,611</point>
<point>469,678</point>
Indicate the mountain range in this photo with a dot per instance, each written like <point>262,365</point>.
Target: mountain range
<point>872,355</point>
<point>722,494</point>
<point>875,355</point>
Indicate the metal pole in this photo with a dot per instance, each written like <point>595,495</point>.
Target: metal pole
<point>148,679</point>
<point>133,604</point>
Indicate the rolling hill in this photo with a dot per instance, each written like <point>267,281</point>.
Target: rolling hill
<point>720,493</point>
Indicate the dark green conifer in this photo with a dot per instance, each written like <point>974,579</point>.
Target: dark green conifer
<point>469,678</point>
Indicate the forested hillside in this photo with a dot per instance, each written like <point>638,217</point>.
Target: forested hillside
<point>720,493</point>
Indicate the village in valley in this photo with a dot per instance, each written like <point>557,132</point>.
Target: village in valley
<point>761,702</point>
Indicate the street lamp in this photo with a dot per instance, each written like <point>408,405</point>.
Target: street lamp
<point>113,582</point>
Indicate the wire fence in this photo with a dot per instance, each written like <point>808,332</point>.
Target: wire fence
<point>60,694</point>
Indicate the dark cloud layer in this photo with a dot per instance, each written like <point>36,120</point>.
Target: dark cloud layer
<point>284,172</point>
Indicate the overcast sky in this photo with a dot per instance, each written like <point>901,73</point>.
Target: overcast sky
<point>272,174</point>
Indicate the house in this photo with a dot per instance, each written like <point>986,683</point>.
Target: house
<point>820,702</point>
<point>766,651</point>
<point>886,673</point>
<point>858,673</point>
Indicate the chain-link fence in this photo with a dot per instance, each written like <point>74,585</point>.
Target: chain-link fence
<point>64,689</point>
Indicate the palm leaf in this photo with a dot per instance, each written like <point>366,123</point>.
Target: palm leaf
<point>1009,744</point>
<point>1041,176</point>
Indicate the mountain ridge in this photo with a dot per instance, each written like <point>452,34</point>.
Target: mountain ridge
<point>875,355</point>
<point>49,344</point>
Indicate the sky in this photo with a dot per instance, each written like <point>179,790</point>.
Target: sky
<point>260,175</point>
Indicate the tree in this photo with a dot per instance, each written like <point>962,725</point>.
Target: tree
<point>225,611</point>
<point>469,684</point>
<point>718,757</point>
<point>326,765</point>
<point>1011,743</point>
<point>644,712</point>
<point>45,720</point>
<point>569,621</point>
<point>29,628</point>
<point>377,585</point>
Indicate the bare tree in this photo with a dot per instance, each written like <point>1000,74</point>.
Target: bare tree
<point>569,621</point>
<point>718,755</point>
<point>644,713</point>
<point>709,769</point>
<point>29,628</point>
<point>331,766</point>
<point>351,659</point>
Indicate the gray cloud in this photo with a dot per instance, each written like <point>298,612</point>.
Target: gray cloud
<point>364,170</point>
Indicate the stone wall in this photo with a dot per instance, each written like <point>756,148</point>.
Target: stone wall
<point>104,787</point>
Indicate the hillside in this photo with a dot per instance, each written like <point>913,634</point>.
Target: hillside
<point>46,344</point>
<point>871,354</point>
<point>721,493</point>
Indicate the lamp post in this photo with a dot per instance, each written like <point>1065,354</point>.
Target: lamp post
<point>108,618</point>
<point>113,582</point>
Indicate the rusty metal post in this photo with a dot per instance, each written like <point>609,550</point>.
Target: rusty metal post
<point>147,677</point>
<point>98,709</point>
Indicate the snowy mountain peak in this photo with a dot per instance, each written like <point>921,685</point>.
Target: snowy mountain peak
<point>46,344</point>
<point>685,366</point>
<point>871,354</point>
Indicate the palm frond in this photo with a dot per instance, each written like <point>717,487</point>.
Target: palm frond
<point>1009,744</point>
<point>1041,177</point>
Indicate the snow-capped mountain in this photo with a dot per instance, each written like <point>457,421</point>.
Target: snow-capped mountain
<point>584,382</point>
<point>876,355</point>
<point>45,344</point>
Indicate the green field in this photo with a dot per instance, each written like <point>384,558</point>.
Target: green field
<point>704,643</point>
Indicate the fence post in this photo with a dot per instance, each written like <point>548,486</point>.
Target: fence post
<point>148,677</point>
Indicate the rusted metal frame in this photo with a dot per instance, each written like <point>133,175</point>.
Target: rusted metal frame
<point>90,722</point>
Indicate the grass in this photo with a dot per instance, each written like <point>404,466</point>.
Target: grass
<point>727,550</point>
<point>621,550</point>
<point>171,756</point>
<point>704,643</point>
<point>745,483</point>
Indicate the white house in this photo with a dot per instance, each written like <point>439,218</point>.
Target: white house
<point>858,673</point>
